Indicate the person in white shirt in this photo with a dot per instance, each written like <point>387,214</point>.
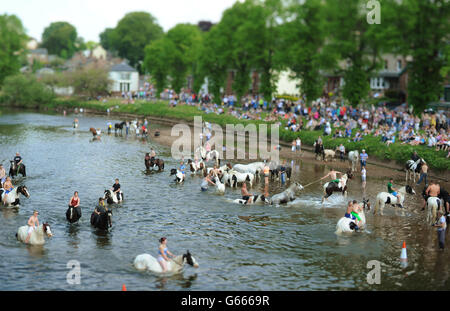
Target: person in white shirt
<point>298,144</point>
<point>363,176</point>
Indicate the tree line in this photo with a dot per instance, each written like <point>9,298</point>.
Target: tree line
<point>308,38</point>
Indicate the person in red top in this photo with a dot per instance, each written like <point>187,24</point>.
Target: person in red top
<point>74,200</point>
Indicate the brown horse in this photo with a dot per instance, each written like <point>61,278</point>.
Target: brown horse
<point>93,131</point>
<point>152,162</point>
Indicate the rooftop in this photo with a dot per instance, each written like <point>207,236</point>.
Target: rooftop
<point>123,67</point>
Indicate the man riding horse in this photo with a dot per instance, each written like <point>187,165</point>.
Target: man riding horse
<point>17,167</point>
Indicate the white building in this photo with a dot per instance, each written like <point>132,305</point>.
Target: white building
<point>99,52</point>
<point>125,78</point>
<point>286,85</point>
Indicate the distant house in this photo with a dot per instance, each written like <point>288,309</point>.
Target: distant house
<point>40,54</point>
<point>125,78</point>
<point>286,85</point>
<point>32,44</point>
<point>99,52</point>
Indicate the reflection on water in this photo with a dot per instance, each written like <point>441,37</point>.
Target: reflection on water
<point>289,247</point>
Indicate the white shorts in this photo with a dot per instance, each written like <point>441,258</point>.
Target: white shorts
<point>30,229</point>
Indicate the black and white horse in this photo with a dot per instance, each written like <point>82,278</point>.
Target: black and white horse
<point>119,126</point>
<point>12,199</point>
<point>275,173</point>
<point>37,235</point>
<point>330,187</point>
<point>73,214</point>
<point>102,221</point>
<point>14,170</point>
<point>196,167</point>
<point>179,176</point>
<point>174,265</point>
<point>413,167</point>
<point>384,198</point>
<point>287,195</point>
<point>113,198</point>
<point>257,199</point>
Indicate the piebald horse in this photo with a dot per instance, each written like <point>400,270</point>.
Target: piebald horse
<point>257,199</point>
<point>179,176</point>
<point>12,199</point>
<point>37,235</point>
<point>174,265</point>
<point>349,225</point>
<point>196,167</point>
<point>330,187</point>
<point>111,197</point>
<point>384,198</point>
<point>73,214</point>
<point>413,167</point>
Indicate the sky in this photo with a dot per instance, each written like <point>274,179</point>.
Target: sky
<point>91,17</point>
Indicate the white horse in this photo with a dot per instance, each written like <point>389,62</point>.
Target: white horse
<point>353,157</point>
<point>111,197</point>
<point>220,187</point>
<point>287,195</point>
<point>213,155</point>
<point>12,198</point>
<point>413,167</point>
<point>329,154</point>
<point>255,168</point>
<point>433,205</point>
<point>37,235</point>
<point>179,176</point>
<point>174,265</point>
<point>387,198</point>
<point>346,224</point>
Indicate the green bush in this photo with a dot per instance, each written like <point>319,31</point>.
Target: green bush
<point>25,91</point>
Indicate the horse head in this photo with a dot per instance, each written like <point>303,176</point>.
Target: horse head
<point>366,203</point>
<point>173,171</point>
<point>297,186</point>
<point>409,189</point>
<point>24,190</point>
<point>349,174</point>
<point>190,260</point>
<point>46,229</point>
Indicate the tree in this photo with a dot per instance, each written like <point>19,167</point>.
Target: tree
<point>186,40</point>
<point>357,43</point>
<point>25,91</point>
<point>133,32</point>
<point>212,62</point>
<point>305,36</point>
<point>423,35</point>
<point>12,38</point>
<point>60,38</point>
<point>107,39</point>
<point>91,81</point>
<point>158,56</point>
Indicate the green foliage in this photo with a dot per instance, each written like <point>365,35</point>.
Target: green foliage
<point>12,40</point>
<point>90,81</point>
<point>133,32</point>
<point>60,38</point>
<point>25,91</point>
<point>107,39</point>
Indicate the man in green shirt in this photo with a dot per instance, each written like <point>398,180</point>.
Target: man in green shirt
<point>393,191</point>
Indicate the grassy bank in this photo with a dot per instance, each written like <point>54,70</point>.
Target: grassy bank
<point>375,148</point>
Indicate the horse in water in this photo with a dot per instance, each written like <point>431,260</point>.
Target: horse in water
<point>152,163</point>
<point>334,186</point>
<point>113,198</point>
<point>384,198</point>
<point>174,265</point>
<point>73,214</point>
<point>37,235</point>
<point>346,224</point>
<point>119,126</point>
<point>12,199</point>
<point>102,221</point>
<point>14,170</point>
<point>287,195</point>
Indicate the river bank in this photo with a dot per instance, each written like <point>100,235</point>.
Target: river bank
<point>393,156</point>
<point>376,168</point>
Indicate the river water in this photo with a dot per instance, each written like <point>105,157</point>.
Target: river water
<point>292,247</point>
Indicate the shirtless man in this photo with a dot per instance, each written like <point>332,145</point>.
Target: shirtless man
<point>423,174</point>
<point>7,186</point>
<point>332,174</point>
<point>33,222</point>
<point>353,209</point>
<point>248,197</point>
<point>433,189</point>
